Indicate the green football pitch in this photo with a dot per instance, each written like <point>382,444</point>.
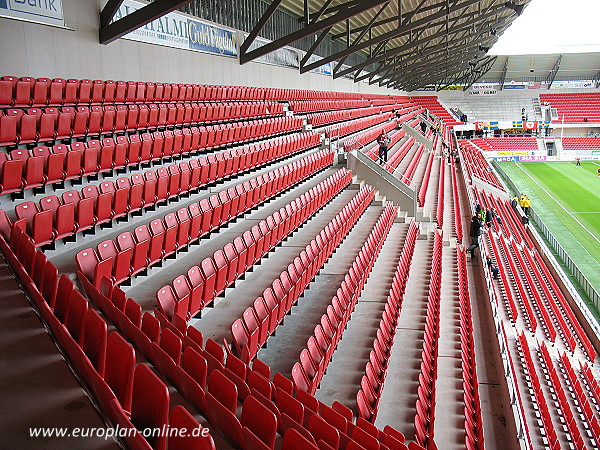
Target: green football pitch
<point>567,199</point>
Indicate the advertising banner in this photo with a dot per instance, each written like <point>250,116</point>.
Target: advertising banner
<point>507,158</point>
<point>515,153</point>
<point>571,84</point>
<point>484,92</point>
<point>178,30</point>
<point>47,12</point>
<point>533,158</point>
<point>286,56</point>
<point>325,69</point>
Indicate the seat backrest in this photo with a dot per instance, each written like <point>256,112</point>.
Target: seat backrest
<point>293,440</point>
<point>194,438</point>
<point>150,404</point>
<point>195,365</point>
<point>95,336</point>
<point>322,430</point>
<point>118,374</point>
<point>166,301</point>
<point>260,420</point>
<point>223,389</point>
<point>171,344</point>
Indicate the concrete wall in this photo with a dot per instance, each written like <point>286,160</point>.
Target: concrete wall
<point>29,49</point>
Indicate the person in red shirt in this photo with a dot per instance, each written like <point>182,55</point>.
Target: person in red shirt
<point>577,162</point>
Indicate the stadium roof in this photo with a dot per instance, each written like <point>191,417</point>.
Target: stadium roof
<point>544,68</point>
<point>410,44</point>
<point>407,43</point>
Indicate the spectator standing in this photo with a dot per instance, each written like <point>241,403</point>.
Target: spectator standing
<point>383,140</point>
<point>489,216</point>
<point>522,202</point>
<point>526,205</point>
<point>514,202</point>
<point>482,215</point>
<point>474,232</point>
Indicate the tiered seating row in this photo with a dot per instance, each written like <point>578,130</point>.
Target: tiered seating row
<point>512,143</point>
<point>511,220</point>
<point>570,327</point>
<point>370,136</point>
<point>190,294</point>
<point>130,253</point>
<point>203,284</point>
<point>439,215</point>
<point>341,130</point>
<point>592,383</point>
<point>28,91</point>
<point>325,118</point>
<point>536,392</point>
<point>399,154</point>
<point>513,312</point>
<point>413,165</point>
<point>37,125</point>
<point>426,392</point>
<point>368,396</point>
<point>24,169</point>
<point>458,226</point>
<point>425,183</point>
<point>581,143</point>
<point>132,396</point>
<point>314,359</point>
<point>476,165</point>
<point>473,418</point>
<point>300,107</point>
<point>576,389</point>
<point>508,259</point>
<point>365,138</point>
<point>259,321</point>
<point>58,218</point>
<point>433,105</point>
<point>551,376</point>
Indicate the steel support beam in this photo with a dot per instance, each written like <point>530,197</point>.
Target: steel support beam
<point>503,76</point>
<point>477,71</point>
<point>306,17</point>
<point>152,11</point>
<point>467,27</point>
<point>407,65</point>
<point>313,47</point>
<point>553,72</point>
<point>362,34</point>
<point>314,27</point>
<point>258,27</point>
<point>109,10</point>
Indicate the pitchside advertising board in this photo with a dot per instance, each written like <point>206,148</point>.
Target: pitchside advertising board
<point>47,12</point>
<point>519,155</point>
<point>178,30</point>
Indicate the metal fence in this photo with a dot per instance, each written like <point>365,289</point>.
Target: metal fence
<point>572,269</point>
